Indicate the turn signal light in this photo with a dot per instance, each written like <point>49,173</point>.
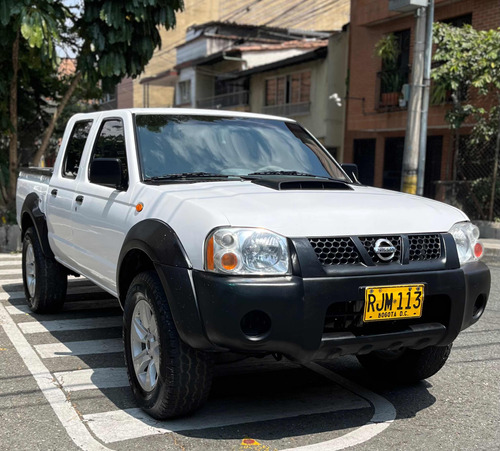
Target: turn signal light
<point>210,254</point>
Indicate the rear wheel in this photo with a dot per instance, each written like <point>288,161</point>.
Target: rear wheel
<point>168,377</point>
<point>45,280</point>
<point>407,365</point>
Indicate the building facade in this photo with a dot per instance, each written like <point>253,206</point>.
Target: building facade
<point>377,96</point>
<point>156,86</point>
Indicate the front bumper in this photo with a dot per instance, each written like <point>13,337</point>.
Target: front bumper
<point>300,308</point>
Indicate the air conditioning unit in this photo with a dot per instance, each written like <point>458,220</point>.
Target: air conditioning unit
<point>404,6</point>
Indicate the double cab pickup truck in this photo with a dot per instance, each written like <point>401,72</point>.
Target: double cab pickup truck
<point>227,234</point>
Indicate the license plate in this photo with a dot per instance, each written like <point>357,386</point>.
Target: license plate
<point>393,302</point>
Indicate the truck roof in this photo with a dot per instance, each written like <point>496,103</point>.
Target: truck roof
<point>190,112</point>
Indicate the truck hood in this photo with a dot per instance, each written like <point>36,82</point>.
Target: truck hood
<point>195,209</point>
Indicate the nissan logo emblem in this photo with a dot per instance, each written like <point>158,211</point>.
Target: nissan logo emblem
<point>384,249</point>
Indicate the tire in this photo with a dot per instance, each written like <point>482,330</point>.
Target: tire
<point>183,381</point>
<point>45,281</point>
<point>407,365</point>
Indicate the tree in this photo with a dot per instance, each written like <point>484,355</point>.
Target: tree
<point>113,39</point>
<point>468,61</point>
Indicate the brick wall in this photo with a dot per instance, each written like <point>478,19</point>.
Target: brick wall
<point>370,20</point>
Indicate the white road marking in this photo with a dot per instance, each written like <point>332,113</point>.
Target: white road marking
<point>11,257</point>
<point>18,309</point>
<point>19,280</point>
<point>54,395</point>
<point>91,379</point>
<point>90,288</point>
<point>10,272</point>
<point>5,263</point>
<point>384,415</point>
<point>14,295</point>
<point>119,425</point>
<point>68,306</point>
<point>36,327</point>
<point>76,348</point>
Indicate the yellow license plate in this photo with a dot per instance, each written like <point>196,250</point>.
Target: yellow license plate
<point>393,302</point>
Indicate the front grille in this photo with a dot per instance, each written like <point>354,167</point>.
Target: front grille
<point>335,251</point>
<point>424,247</point>
<point>369,243</point>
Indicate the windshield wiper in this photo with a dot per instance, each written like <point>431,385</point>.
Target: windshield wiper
<point>296,173</point>
<point>185,176</point>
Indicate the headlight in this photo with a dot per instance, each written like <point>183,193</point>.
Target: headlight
<point>246,251</point>
<point>466,237</point>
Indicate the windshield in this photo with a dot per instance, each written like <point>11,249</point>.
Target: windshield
<point>228,146</point>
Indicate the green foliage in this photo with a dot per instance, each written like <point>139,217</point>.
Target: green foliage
<point>466,58</point>
<point>119,38</point>
<point>112,38</point>
<point>387,48</point>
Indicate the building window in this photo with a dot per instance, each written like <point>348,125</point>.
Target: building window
<point>293,88</point>
<point>395,72</point>
<point>459,21</point>
<point>184,92</point>
<point>288,94</point>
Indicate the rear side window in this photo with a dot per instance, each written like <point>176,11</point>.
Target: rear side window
<point>110,143</point>
<point>74,149</point>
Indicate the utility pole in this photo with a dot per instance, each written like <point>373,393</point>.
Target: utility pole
<point>425,98</point>
<point>409,174</point>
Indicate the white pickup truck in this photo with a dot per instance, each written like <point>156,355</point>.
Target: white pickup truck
<point>226,232</point>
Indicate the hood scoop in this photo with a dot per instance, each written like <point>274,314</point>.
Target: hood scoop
<point>301,183</point>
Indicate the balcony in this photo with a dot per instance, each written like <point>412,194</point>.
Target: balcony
<point>288,109</point>
<point>389,85</point>
<point>231,100</point>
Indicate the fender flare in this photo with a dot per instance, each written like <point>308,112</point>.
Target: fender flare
<point>31,207</point>
<point>164,249</point>
<point>158,241</point>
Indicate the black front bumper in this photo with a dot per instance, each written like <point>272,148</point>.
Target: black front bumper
<point>299,308</point>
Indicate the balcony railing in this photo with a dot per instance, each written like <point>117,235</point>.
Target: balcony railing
<point>389,85</point>
<point>288,109</point>
<point>232,99</point>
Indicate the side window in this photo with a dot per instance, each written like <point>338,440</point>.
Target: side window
<point>74,149</point>
<point>110,143</point>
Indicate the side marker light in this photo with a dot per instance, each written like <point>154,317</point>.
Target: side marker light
<point>139,207</point>
<point>478,250</point>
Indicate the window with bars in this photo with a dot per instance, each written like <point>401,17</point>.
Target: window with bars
<point>288,89</point>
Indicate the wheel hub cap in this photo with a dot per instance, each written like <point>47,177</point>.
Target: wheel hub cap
<point>144,345</point>
<point>30,270</point>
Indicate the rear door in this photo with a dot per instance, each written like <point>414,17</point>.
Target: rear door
<point>102,215</point>
<point>62,190</point>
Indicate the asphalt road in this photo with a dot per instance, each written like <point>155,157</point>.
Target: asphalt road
<point>63,386</point>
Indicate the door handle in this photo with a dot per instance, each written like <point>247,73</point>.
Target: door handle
<point>79,199</point>
<point>54,192</point>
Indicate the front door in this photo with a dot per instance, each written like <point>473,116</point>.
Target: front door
<point>101,213</point>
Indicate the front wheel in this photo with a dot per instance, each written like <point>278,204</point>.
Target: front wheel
<point>45,281</point>
<point>407,365</point>
<point>168,377</point>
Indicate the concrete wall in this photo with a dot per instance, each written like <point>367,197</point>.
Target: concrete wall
<point>10,238</point>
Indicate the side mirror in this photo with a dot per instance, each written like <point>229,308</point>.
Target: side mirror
<point>352,171</point>
<point>107,172</point>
